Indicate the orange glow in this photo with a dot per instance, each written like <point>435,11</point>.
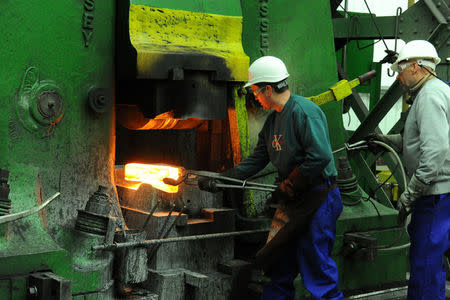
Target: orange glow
<point>152,174</point>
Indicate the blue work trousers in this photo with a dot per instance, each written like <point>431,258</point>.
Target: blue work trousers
<point>310,255</point>
<point>429,232</point>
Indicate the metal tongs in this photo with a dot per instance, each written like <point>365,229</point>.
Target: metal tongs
<point>218,181</point>
<point>361,145</point>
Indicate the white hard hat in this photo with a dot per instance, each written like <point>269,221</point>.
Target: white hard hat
<point>266,69</point>
<point>419,50</point>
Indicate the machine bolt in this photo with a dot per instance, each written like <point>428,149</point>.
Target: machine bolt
<point>400,31</point>
<point>32,290</point>
<point>438,4</point>
<point>49,104</point>
<point>99,100</point>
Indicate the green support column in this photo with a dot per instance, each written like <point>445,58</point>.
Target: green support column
<point>58,55</point>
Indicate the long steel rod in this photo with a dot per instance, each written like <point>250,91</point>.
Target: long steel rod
<point>245,187</point>
<point>148,243</point>
<point>165,223</point>
<point>26,213</point>
<point>151,214</point>
<point>154,249</point>
<point>213,175</point>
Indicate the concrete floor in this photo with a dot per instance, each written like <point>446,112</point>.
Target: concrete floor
<point>392,294</point>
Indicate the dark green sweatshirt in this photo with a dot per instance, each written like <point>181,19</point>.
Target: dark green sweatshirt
<point>296,136</point>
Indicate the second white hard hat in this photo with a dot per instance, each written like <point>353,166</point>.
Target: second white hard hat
<point>266,69</point>
<point>417,50</point>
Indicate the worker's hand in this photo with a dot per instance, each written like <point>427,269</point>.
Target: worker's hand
<point>393,140</point>
<point>403,211</point>
<point>373,147</point>
<point>209,185</point>
<point>293,184</point>
<point>407,200</point>
<point>280,197</point>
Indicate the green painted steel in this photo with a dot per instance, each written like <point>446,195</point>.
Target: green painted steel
<point>363,28</point>
<point>55,53</point>
<point>375,86</point>
<point>425,20</point>
<point>293,35</point>
<point>359,57</point>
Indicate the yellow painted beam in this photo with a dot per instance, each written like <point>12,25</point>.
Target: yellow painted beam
<point>158,32</point>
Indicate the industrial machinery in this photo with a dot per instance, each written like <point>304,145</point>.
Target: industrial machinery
<point>101,100</point>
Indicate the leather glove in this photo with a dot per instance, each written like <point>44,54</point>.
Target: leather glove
<point>393,140</point>
<point>280,197</point>
<point>407,200</point>
<point>288,188</point>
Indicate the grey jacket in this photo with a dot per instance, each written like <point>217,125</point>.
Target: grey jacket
<point>426,140</point>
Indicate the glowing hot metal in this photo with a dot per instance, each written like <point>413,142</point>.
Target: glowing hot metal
<point>152,174</point>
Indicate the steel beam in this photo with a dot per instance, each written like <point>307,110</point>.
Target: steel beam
<point>377,114</point>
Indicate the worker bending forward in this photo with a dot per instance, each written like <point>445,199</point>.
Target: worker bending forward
<point>295,139</point>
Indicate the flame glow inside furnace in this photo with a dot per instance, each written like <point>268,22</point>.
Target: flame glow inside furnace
<point>152,174</point>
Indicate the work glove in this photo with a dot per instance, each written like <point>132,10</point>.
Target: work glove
<point>287,190</point>
<point>393,140</point>
<point>407,200</point>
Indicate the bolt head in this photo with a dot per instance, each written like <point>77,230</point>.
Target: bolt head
<point>101,99</point>
<point>32,290</point>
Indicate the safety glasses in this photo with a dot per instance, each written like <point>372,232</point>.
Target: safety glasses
<point>255,93</point>
<point>403,66</point>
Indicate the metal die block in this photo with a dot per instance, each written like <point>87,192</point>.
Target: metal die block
<point>48,286</point>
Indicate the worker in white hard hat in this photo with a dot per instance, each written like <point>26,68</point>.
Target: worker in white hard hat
<point>295,139</point>
<point>425,144</point>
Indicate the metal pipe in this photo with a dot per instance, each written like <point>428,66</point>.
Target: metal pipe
<point>148,243</point>
<point>166,221</point>
<point>378,293</point>
<point>174,222</point>
<point>26,213</point>
<point>344,49</point>
<point>396,247</point>
<point>151,213</point>
<point>242,182</point>
<point>399,161</point>
<point>244,187</point>
<point>167,233</point>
